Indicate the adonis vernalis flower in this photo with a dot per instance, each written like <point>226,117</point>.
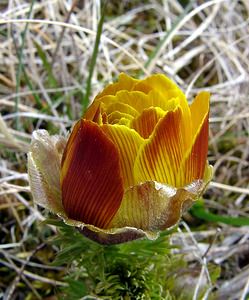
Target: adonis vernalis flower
<point>131,165</point>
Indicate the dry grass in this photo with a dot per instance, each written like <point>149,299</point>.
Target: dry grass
<point>206,48</point>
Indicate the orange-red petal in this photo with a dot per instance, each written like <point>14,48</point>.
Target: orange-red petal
<point>193,166</point>
<point>92,111</point>
<point>194,161</point>
<point>92,187</point>
<point>146,122</point>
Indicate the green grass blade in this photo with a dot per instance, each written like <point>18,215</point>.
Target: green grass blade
<point>158,47</point>
<point>47,65</point>
<point>200,212</point>
<point>85,99</point>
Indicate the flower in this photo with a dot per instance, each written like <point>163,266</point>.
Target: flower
<point>131,165</point>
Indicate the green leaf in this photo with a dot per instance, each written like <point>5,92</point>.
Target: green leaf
<point>132,270</point>
<point>75,289</point>
<point>200,212</point>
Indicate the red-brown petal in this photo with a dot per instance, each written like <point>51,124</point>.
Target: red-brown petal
<point>92,187</point>
<point>92,111</point>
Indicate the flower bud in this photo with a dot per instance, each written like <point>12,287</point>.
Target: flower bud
<point>131,165</point>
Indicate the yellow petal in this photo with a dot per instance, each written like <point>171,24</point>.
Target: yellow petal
<point>167,90</point>
<point>122,108</point>
<point>124,121</point>
<point>109,105</point>
<point>137,100</point>
<point>124,82</point>
<point>115,116</point>
<point>152,206</point>
<point>161,84</point>
<point>199,110</point>
<point>160,157</point>
<point>98,107</point>
<point>141,101</point>
<point>128,142</point>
